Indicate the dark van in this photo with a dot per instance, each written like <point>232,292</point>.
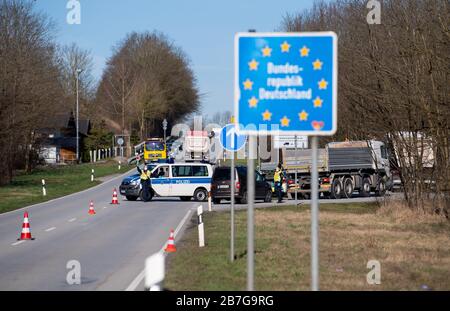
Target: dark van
<point>220,185</point>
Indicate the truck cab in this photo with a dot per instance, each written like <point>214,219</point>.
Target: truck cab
<point>155,150</point>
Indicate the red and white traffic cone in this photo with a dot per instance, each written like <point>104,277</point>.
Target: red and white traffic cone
<point>114,197</point>
<point>26,233</point>
<point>91,208</point>
<point>170,248</point>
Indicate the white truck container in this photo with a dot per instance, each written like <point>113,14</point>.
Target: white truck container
<point>196,146</point>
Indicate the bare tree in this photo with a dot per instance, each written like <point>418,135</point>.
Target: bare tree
<point>30,84</point>
<point>73,58</point>
<point>393,85</point>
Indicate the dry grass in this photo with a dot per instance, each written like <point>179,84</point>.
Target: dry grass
<point>414,250</point>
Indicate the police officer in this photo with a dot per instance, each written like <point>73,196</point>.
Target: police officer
<point>278,180</point>
<point>145,182</point>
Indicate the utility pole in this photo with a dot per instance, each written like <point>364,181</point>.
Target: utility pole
<point>165,129</point>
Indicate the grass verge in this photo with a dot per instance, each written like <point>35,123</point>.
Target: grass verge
<point>26,189</point>
<point>412,252</point>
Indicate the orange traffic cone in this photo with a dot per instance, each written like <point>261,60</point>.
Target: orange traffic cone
<point>91,208</point>
<point>114,198</point>
<point>26,233</point>
<point>170,248</point>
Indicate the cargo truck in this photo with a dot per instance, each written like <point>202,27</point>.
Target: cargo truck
<point>196,146</point>
<point>343,167</point>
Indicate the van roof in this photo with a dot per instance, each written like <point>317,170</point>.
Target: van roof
<point>184,164</point>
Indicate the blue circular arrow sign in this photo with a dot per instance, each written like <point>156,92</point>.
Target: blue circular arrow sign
<point>230,140</point>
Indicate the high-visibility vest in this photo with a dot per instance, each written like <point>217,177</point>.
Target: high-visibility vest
<point>145,176</point>
<point>277,176</point>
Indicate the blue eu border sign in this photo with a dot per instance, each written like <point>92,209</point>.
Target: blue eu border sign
<point>286,83</point>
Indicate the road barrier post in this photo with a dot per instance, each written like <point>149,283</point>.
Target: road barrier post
<point>92,175</point>
<point>201,231</point>
<point>154,272</point>
<point>209,202</point>
<point>44,191</point>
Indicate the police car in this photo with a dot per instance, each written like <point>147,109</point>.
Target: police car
<point>183,180</point>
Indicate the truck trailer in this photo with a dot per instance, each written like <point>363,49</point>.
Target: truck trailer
<point>343,167</point>
<point>196,146</point>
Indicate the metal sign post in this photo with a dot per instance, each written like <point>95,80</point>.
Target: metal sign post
<point>286,84</point>
<point>314,218</point>
<point>232,181</point>
<point>296,167</point>
<point>232,142</point>
<point>250,212</point>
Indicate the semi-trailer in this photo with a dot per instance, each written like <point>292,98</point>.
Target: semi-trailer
<point>344,168</point>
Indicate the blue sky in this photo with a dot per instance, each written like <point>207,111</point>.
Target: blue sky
<point>204,29</point>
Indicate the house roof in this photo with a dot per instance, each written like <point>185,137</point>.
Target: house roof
<point>84,126</point>
<point>67,120</point>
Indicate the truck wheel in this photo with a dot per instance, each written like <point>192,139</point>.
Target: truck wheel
<point>348,187</point>
<point>200,195</point>
<point>336,189</point>
<point>381,189</point>
<point>365,187</point>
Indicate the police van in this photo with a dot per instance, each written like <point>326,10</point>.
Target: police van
<point>183,180</point>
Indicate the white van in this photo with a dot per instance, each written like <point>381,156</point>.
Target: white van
<point>184,180</point>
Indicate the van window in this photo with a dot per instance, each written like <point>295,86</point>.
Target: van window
<point>161,172</point>
<point>200,170</point>
<point>181,171</point>
<point>221,173</point>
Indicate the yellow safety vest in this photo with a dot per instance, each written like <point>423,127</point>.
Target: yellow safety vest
<point>277,176</point>
<point>145,176</point>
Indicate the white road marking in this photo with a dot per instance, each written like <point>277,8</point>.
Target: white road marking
<point>18,242</point>
<point>105,206</point>
<point>72,219</point>
<point>138,279</point>
<point>50,229</point>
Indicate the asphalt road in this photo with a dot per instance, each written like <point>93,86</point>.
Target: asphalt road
<point>111,246</point>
